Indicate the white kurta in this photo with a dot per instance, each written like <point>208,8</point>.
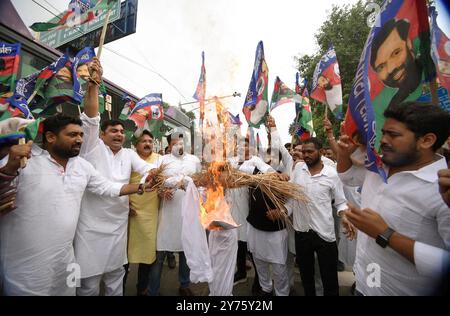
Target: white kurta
<point>410,204</point>
<point>36,239</point>
<point>170,220</point>
<point>238,199</point>
<point>101,238</point>
<point>223,248</point>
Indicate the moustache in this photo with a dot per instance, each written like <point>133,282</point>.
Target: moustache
<point>394,73</point>
<point>147,147</point>
<point>386,148</point>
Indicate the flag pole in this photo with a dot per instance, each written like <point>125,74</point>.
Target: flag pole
<point>103,35</point>
<point>293,135</point>
<point>102,41</point>
<point>326,111</point>
<point>24,160</point>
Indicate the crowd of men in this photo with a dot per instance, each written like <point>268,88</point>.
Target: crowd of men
<point>67,224</point>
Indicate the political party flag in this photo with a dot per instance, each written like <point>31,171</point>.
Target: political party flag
<point>200,92</point>
<point>69,84</point>
<point>127,108</point>
<point>440,50</point>
<point>15,128</point>
<point>282,94</point>
<point>35,83</point>
<point>305,123</point>
<point>146,109</point>
<point>394,63</point>
<point>326,85</point>
<point>77,13</point>
<point>9,68</point>
<point>256,106</point>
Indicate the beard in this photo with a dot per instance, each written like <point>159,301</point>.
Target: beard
<point>311,162</point>
<point>412,77</point>
<point>396,159</point>
<point>67,152</point>
<point>328,86</point>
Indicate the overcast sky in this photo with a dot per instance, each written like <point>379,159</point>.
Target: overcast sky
<point>172,34</point>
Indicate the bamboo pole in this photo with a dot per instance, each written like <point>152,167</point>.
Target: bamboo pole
<point>103,35</point>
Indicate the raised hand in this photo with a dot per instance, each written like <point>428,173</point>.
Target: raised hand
<point>16,153</point>
<point>95,70</point>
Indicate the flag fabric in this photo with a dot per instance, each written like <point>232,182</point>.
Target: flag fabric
<point>146,109</point>
<point>256,106</point>
<point>78,13</point>
<point>440,51</point>
<point>305,123</point>
<point>234,119</point>
<point>326,85</point>
<point>69,84</point>
<point>200,92</point>
<point>394,63</point>
<point>26,86</point>
<point>9,68</point>
<point>282,94</point>
<point>127,108</point>
<point>15,128</point>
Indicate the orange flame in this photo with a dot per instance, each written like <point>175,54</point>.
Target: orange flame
<point>215,211</point>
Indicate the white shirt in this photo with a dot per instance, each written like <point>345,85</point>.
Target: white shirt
<point>170,220</point>
<point>321,189</point>
<point>410,204</point>
<point>36,239</point>
<point>431,261</point>
<point>101,239</point>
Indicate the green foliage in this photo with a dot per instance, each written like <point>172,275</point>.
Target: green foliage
<point>346,27</point>
<point>189,114</point>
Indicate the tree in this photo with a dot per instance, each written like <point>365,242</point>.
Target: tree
<point>346,27</point>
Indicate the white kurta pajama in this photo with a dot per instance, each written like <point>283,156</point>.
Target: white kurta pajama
<point>36,239</point>
<point>269,248</point>
<point>223,248</point>
<point>101,238</point>
<point>168,237</point>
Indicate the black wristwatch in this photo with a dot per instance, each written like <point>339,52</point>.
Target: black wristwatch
<point>140,189</point>
<point>383,239</point>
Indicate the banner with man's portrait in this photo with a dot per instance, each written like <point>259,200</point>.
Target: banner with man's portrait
<point>326,85</point>
<point>394,64</point>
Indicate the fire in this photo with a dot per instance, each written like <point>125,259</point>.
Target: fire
<point>215,211</point>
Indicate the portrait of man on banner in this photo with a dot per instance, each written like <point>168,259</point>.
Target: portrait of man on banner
<point>326,86</point>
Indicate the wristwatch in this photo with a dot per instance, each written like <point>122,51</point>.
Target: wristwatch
<point>383,239</point>
<point>140,189</point>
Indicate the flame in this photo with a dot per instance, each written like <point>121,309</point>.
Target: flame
<point>214,210</point>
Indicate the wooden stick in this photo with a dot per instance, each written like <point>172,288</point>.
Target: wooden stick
<point>23,160</point>
<point>102,37</point>
<point>32,97</point>
<point>293,136</point>
<point>79,109</point>
<point>326,111</point>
